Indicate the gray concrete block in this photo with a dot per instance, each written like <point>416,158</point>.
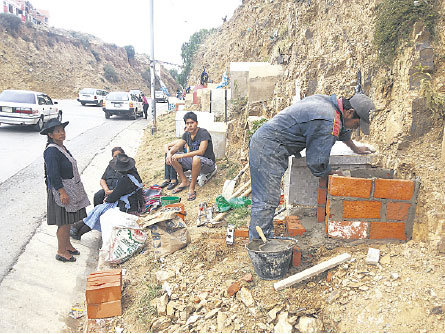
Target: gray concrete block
<point>301,185</point>
<point>367,173</point>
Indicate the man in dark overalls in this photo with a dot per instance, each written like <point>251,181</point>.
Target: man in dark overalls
<point>315,124</point>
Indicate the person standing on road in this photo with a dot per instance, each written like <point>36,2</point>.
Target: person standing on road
<point>145,105</point>
<point>314,124</point>
<point>66,196</point>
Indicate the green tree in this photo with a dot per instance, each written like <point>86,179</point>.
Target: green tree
<point>188,51</point>
<point>130,51</point>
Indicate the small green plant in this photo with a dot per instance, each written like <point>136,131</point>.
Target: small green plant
<point>130,51</point>
<point>10,23</point>
<point>256,125</point>
<point>435,100</point>
<point>395,21</point>
<point>110,73</point>
<point>96,55</point>
<point>239,217</point>
<point>145,309</point>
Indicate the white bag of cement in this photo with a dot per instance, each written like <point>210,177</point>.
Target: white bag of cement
<point>121,235</point>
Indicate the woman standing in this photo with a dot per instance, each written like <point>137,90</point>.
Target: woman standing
<point>67,198</point>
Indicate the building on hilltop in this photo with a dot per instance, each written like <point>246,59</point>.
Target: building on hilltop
<point>26,11</point>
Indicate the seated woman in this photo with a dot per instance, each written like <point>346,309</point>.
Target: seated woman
<point>127,196</point>
<point>109,179</point>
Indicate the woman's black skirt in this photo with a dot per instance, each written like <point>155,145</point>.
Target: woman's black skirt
<point>57,215</point>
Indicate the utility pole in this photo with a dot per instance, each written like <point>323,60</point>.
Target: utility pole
<point>152,69</point>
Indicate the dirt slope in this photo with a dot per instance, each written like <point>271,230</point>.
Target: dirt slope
<point>60,63</point>
<point>323,45</point>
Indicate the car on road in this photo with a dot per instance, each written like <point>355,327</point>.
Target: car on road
<point>136,92</point>
<point>25,107</point>
<point>122,103</point>
<point>92,96</point>
<point>160,96</point>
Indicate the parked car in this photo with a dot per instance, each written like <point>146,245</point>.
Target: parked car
<point>160,96</point>
<point>24,107</point>
<point>122,103</point>
<point>92,96</point>
<point>137,93</point>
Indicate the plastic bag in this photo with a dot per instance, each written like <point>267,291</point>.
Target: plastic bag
<point>233,203</point>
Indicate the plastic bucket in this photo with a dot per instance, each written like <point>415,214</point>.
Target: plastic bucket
<point>271,260</point>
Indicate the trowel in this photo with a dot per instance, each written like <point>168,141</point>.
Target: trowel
<point>272,245</point>
<point>229,185</point>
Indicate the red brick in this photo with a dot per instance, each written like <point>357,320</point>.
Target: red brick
<point>234,288</point>
<point>394,189</point>
<point>349,186</point>
<point>328,209</point>
<point>241,233</point>
<point>293,226</point>
<point>321,213</point>
<point>323,182</point>
<point>104,310</point>
<point>387,230</point>
<point>321,196</point>
<point>347,229</point>
<point>296,256</point>
<point>101,293</point>
<point>361,209</point>
<point>397,210</point>
<point>329,276</point>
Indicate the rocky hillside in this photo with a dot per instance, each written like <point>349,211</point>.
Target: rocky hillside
<point>322,45</point>
<point>60,62</point>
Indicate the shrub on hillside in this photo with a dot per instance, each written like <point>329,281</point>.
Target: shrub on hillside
<point>395,21</point>
<point>130,51</point>
<point>110,73</point>
<point>10,23</point>
<point>96,55</point>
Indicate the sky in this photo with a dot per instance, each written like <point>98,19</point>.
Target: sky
<point>126,22</point>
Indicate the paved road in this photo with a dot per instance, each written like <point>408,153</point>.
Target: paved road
<point>22,189</point>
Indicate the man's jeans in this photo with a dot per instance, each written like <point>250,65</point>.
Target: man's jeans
<point>268,161</point>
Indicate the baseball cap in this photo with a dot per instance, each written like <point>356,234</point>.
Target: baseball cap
<point>362,106</point>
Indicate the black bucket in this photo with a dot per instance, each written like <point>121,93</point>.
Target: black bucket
<point>271,260</point>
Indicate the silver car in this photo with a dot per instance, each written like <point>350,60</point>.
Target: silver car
<point>122,103</point>
<point>92,96</point>
<point>24,107</point>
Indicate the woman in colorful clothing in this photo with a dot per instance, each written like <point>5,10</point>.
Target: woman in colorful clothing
<point>127,196</point>
<point>67,198</point>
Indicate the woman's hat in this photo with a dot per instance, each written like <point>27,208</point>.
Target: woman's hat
<point>122,163</point>
<point>51,124</point>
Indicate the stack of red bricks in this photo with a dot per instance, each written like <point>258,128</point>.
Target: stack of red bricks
<point>294,228</point>
<point>103,294</point>
<point>358,208</point>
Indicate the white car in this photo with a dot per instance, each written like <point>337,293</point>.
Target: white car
<point>24,107</point>
<point>122,103</point>
<point>92,96</point>
<point>160,96</point>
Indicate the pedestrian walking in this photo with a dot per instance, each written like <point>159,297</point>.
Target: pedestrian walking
<point>145,105</point>
<point>66,196</point>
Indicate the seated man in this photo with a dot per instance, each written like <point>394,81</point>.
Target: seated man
<point>199,157</point>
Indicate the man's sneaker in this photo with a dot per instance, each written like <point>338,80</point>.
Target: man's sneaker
<point>204,178</point>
